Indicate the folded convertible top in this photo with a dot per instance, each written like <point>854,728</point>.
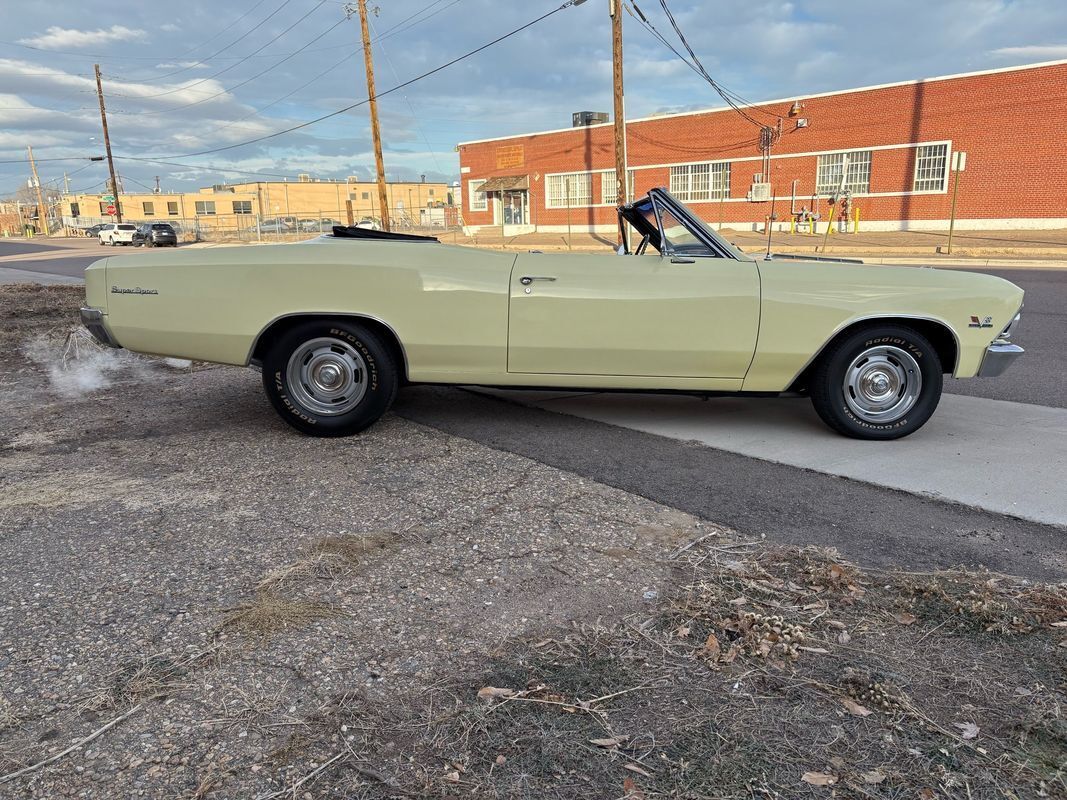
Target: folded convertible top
<point>352,232</point>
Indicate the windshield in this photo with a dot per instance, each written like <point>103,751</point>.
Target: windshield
<point>679,237</point>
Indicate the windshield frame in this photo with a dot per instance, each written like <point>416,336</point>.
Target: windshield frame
<point>659,199</point>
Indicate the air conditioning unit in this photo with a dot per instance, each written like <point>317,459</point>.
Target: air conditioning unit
<point>303,177</point>
<point>760,192</point>
<point>353,179</point>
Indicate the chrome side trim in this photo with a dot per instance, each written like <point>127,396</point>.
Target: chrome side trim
<point>998,357</point>
<point>93,320</point>
<point>870,318</point>
<point>349,314</point>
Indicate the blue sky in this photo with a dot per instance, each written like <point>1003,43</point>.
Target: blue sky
<point>203,74</point>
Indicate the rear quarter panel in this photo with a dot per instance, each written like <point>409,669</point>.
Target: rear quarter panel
<point>805,304</point>
<point>448,305</point>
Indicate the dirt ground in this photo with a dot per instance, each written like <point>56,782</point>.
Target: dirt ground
<point>197,602</point>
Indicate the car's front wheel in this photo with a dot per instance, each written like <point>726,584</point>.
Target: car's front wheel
<point>881,382</point>
<point>330,378</point>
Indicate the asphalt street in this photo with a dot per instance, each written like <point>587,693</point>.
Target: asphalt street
<point>867,520</point>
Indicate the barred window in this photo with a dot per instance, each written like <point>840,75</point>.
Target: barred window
<point>832,166</point>
<point>696,182</point>
<point>572,189</point>
<point>609,187</point>
<point>205,207</point>
<point>478,201</point>
<point>930,167</point>
<point>242,206</point>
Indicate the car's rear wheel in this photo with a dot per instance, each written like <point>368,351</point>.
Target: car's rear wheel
<point>330,378</point>
<point>881,382</point>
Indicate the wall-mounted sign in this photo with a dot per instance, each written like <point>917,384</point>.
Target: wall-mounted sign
<point>510,156</point>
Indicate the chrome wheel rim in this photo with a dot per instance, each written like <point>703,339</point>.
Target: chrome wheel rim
<point>327,376</point>
<point>882,384</point>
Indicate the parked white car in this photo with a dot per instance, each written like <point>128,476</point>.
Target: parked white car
<point>113,234</point>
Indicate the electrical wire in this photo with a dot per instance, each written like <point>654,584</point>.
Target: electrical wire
<point>206,168</point>
<point>260,74</point>
<point>195,64</point>
<point>254,52</point>
<point>694,64</point>
<point>396,88</point>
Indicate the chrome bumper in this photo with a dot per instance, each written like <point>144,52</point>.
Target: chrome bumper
<point>93,319</point>
<point>998,357</point>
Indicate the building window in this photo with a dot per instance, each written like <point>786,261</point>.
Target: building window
<point>149,209</point>
<point>931,162</point>
<point>103,209</point>
<point>609,187</point>
<point>855,166</point>
<point>478,201</point>
<point>205,208</point>
<point>366,195</point>
<point>242,206</point>
<point>567,191</point>
<point>696,182</point>
<point>75,210</point>
<point>172,208</point>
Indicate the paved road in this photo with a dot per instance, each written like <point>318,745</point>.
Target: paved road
<point>873,525</point>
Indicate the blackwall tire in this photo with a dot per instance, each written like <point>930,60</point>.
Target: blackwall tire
<point>881,382</point>
<point>330,378</point>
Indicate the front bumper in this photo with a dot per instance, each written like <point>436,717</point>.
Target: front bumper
<point>93,320</point>
<point>998,357</point>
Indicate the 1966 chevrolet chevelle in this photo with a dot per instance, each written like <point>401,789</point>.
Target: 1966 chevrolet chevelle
<point>339,322</point>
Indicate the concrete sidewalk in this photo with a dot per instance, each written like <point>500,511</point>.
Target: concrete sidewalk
<point>1008,458</point>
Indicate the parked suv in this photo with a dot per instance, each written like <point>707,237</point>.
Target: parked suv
<point>155,234</point>
<point>121,233</point>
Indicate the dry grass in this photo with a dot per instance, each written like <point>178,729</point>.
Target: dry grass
<point>767,673</point>
<point>269,613</point>
<point>28,309</point>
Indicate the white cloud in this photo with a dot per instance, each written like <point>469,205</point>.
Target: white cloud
<point>1041,52</point>
<point>56,38</point>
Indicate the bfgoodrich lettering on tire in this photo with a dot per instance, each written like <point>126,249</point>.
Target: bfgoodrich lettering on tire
<point>330,377</point>
<point>881,382</point>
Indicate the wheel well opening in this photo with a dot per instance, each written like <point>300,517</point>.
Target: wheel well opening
<point>278,328</point>
<point>939,335</point>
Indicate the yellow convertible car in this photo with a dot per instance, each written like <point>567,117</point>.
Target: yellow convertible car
<point>338,323</point>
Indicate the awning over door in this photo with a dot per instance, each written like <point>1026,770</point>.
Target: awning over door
<point>506,183</point>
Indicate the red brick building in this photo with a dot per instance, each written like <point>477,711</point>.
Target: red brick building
<point>891,148</point>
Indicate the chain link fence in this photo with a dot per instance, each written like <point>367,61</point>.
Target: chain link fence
<point>253,228</point>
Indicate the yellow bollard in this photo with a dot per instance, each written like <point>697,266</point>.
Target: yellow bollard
<point>792,225</point>
<point>856,221</point>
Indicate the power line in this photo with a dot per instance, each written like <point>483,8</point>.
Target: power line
<point>205,168</point>
<point>347,108</point>
<point>42,160</point>
<point>254,52</point>
<point>259,74</point>
<point>206,41</point>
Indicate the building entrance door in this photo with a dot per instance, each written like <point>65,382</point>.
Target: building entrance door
<point>515,206</point>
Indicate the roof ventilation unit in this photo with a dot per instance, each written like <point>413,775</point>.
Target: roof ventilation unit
<point>583,119</point>
<point>303,177</point>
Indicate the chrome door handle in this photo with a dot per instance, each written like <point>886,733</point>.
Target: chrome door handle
<point>677,260</point>
<point>526,280</point>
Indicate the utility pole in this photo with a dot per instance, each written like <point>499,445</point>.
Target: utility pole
<point>615,9</point>
<point>157,184</point>
<point>42,212</point>
<point>959,164</point>
<point>375,128</point>
<point>66,183</point>
<point>107,145</point>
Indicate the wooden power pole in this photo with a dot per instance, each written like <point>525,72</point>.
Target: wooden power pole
<point>107,145</point>
<point>615,9</point>
<point>42,212</point>
<point>375,128</point>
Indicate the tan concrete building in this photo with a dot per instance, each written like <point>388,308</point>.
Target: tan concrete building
<point>241,206</point>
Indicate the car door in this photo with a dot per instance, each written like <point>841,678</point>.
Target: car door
<point>686,313</point>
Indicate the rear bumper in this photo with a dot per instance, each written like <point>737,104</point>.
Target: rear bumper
<point>998,357</point>
<point>93,320</point>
